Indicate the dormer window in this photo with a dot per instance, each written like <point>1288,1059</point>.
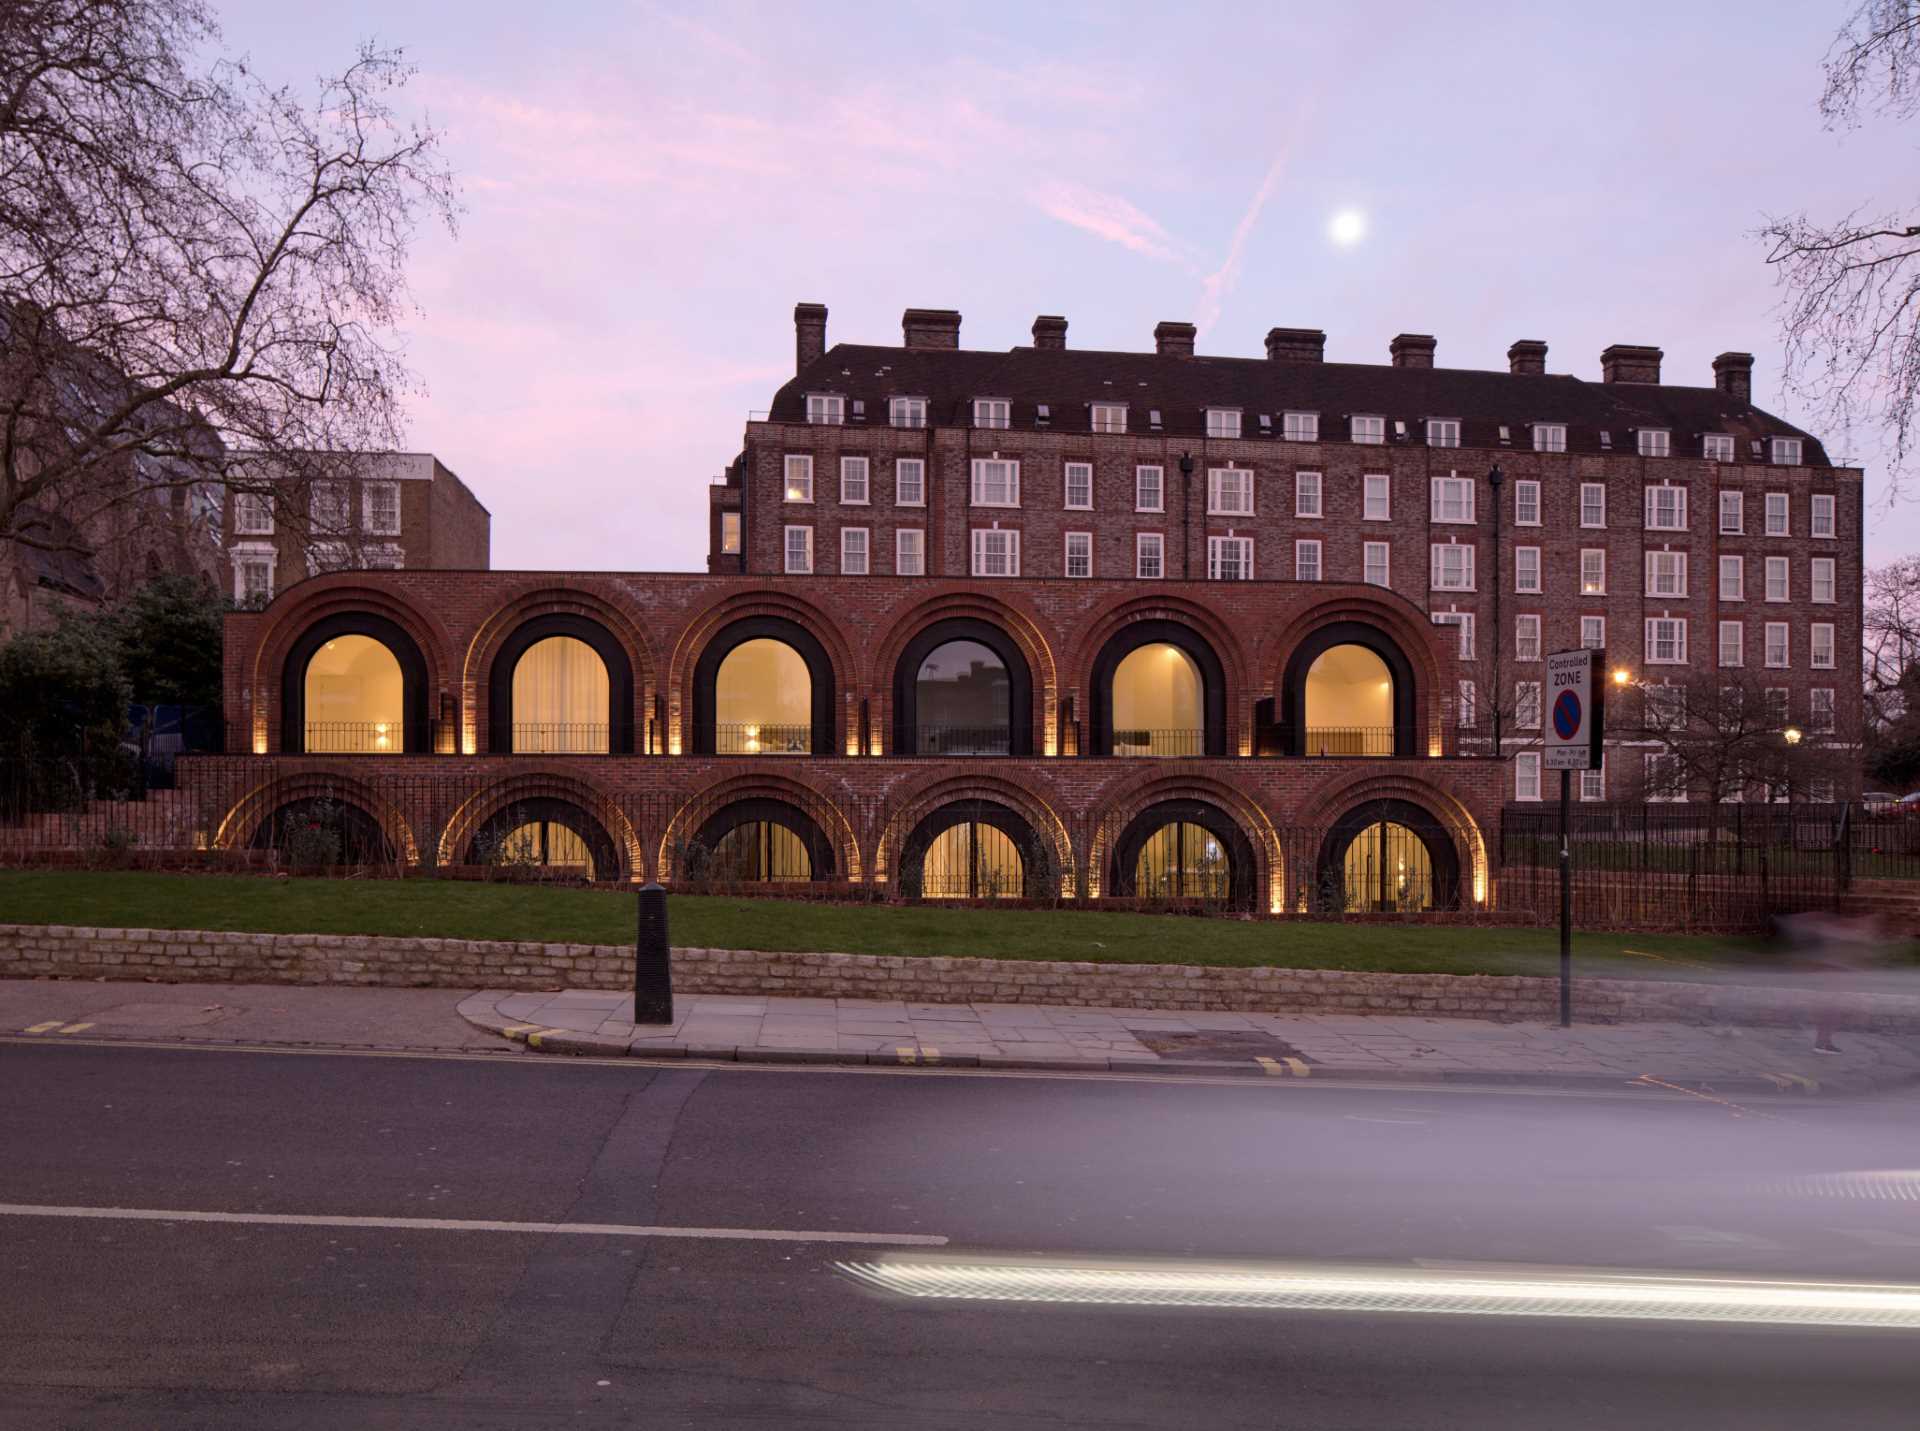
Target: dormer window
<point>1549,437</point>
<point>1786,451</point>
<point>1655,442</point>
<point>992,412</point>
<point>1367,429</point>
<point>826,409</point>
<point>907,412</point>
<point>1223,422</point>
<point>1301,427</point>
<point>1717,447</point>
<point>1443,432</point>
<point>1109,417</point>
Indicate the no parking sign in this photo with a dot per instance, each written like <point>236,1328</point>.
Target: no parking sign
<point>1575,724</point>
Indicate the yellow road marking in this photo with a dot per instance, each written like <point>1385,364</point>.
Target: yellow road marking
<point>1299,1067</point>
<point>929,1054</point>
<point>75,1028</point>
<point>47,1027</point>
<point>533,1039</point>
<point>926,1053</point>
<point>1778,1080</point>
<point>907,1055</point>
<point>1269,1066</point>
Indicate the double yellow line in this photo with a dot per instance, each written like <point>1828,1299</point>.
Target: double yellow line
<point>1284,1067</point>
<point>57,1026</point>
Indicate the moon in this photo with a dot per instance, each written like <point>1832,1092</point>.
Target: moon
<point>1347,228</point>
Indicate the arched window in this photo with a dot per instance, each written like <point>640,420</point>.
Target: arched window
<point>560,694</point>
<point>760,851</point>
<point>1157,696</point>
<point>1349,703</point>
<point>320,830</point>
<point>975,849</point>
<point>547,833</point>
<point>757,840</point>
<point>763,701</point>
<point>355,698</point>
<point>546,844</point>
<point>1387,869</point>
<point>1182,861</point>
<point>963,702</point>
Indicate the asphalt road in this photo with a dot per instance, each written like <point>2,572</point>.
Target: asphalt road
<point>154,1323</point>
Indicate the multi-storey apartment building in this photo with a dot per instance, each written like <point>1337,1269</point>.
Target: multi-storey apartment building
<point>391,511</point>
<point>1678,527</point>
<point>1073,625</point>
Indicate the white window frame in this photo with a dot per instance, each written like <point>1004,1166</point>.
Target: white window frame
<point>1462,564</point>
<point>250,555</point>
<point>1654,442</point>
<point>1666,575</point>
<point>906,412</point>
<point>1526,498</point>
<point>1592,495</point>
<point>1526,638</point>
<point>1217,549</point>
<point>1223,422</point>
<point>330,506</point>
<point>1368,490</point>
<point>1140,480</point>
<point>1821,710</point>
<point>1589,587</point>
<point>1737,630</point>
<point>1215,489</point>
<point>863,486</point>
<point>1782,569</point>
<point>1150,549</point>
<point>1309,495</point>
<point>910,562</point>
<point>1733,578</point>
<point>1820,646</point>
<point>1300,426</point>
<point>1443,431</point>
<point>1823,516</point>
<point>1367,429</point>
<point>1593,633</point>
<point>1787,452</point>
<point>1455,491</point>
<point>863,539</point>
<point>1308,556</point>
<point>992,413</point>
<point>787,550</point>
<point>1716,446</point>
<point>1085,541</point>
<point>982,468</point>
<point>1733,504</point>
<point>983,539</point>
<point>1110,417</point>
<point>918,467</point>
<point>370,509</point>
<point>1549,437</point>
<point>802,464</point>
<point>1674,500</point>
<point>1527,579</point>
<point>1593,781</point>
<point>731,533</point>
<point>826,410</point>
<point>1821,572</point>
<point>1068,473</point>
<point>1780,505</point>
<point>252,514</point>
<point>1777,651</point>
<point>1467,708</point>
<point>1526,775</point>
<point>1526,705</point>
<point>1376,555</point>
<point>1677,640</point>
<point>1462,622</point>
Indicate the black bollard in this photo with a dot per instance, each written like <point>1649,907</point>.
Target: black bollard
<point>652,961</point>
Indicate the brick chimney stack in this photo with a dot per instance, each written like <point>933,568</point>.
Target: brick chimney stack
<point>1733,375</point>
<point>1049,331</point>
<point>1296,345</point>
<point>1173,340</point>
<point>1412,350</point>
<point>931,327</point>
<point>1627,363</point>
<point>809,333</point>
<point>1529,356</point>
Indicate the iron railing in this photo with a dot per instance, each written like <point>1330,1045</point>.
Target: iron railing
<point>559,738</point>
<point>1160,741</point>
<point>1349,740</point>
<point>995,738</point>
<point>757,738</point>
<point>356,737</point>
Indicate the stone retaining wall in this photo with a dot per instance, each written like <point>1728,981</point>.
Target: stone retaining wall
<point>177,956</point>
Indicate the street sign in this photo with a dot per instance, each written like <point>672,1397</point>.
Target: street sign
<point>1575,715</point>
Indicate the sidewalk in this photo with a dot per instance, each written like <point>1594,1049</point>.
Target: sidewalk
<point>992,1036</point>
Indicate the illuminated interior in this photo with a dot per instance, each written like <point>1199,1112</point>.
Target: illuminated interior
<point>1183,861</point>
<point>560,699</point>
<point>963,701</point>
<point>973,861</point>
<point>551,846</point>
<point>763,701</point>
<point>355,701</point>
<point>1157,703</point>
<point>758,851</point>
<point>1349,703</point>
<point>1388,869</point>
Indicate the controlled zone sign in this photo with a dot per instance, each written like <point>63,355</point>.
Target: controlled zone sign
<point>1575,715</point>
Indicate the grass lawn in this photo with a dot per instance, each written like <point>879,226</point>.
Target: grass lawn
<point>461,910</point>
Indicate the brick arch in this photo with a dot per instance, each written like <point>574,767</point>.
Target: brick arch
<point>1336,798</point>
<point>1135,798</point>
<point>339,594</point>
<point>583,598</point>
<point>1008,612</point>
<point>474,812</point>
<point>1113,617</point>
<point>1434,666</point>
<point>702,625</point>
<point>912,804</point>
<point>694,811</point>
<point>243,820</point>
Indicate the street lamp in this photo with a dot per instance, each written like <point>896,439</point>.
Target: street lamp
<point>1494,478</point>
<point>1621,675</point>
<point>1791,735</point>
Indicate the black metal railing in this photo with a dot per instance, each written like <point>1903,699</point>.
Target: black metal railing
<point>559,738</point>
<point>1349,740</point>
<point>356,737</point>
<point>758,738</point>
<point>1163,742</point>
<point>991,739</point>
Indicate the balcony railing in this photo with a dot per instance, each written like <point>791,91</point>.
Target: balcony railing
<point>559,738</point>
<point>356,737</point>
<point>963,740</point>
<point>756,738</point>
<point>1162,742</point>
<point>1349,740</point>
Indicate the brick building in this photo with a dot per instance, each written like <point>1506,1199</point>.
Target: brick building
<point>1067,625</point>
<point>393,511</point>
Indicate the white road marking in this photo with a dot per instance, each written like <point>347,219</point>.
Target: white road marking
<point>445,1224</point>
<point>1688,1235</point>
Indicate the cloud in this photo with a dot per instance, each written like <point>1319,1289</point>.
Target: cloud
<point>1106,216</point>
<point>1216,286</point>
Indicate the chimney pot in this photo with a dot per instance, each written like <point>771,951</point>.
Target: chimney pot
<point>1412,350</point>
<point>1296,345</point>
<point>1629,363</point>
<point>930,327</point>
<point>1733,375</point>
<point>1173,340</point>
<point>1049,331</point>
<point>809,333</point>
<point>1528,355</point>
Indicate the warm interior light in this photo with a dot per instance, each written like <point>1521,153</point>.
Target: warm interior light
<point>1619,675</point>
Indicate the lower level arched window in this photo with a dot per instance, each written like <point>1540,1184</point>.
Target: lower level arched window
<point>1183,861</point>
<point>547,845</point>
<point>972,860</point>
<point>1387,869</point>
<point>759,840</point>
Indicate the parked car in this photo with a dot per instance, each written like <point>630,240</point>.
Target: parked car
<point>1908,804</point>
<point>1876,799</point>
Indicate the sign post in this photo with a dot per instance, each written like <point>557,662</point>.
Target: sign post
<point>1575,727</point>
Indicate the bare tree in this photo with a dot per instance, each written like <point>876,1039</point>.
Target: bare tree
<point>1851,315</point>
<point>201,276</point>
<point>1723,735</point>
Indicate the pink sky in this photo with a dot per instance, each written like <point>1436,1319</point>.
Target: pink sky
<point>651,187</point>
